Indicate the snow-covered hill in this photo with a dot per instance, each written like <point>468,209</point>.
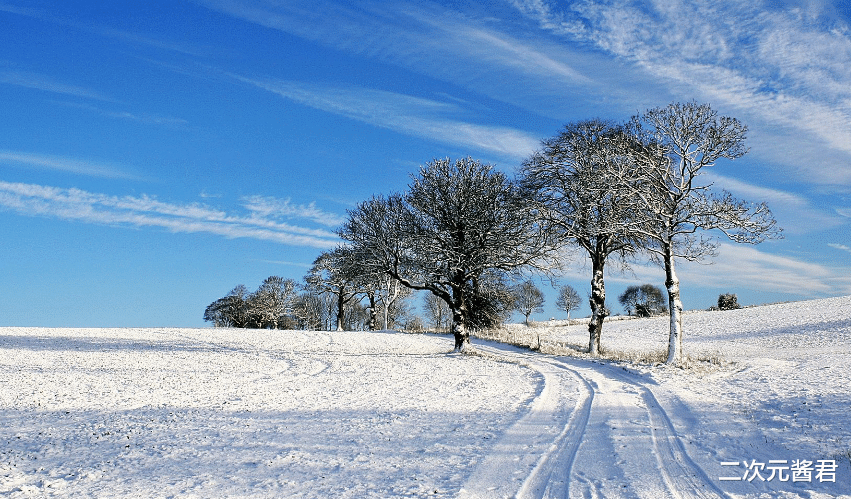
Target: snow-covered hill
<point>236,413</point>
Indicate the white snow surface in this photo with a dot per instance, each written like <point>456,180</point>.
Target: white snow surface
<point>244,413</point>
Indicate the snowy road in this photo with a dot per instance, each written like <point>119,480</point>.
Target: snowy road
<point>593,432</point>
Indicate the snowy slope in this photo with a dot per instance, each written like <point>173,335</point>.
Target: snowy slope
<point>781,392</point>
<point>236,413</point>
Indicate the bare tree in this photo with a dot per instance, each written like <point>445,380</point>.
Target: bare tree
<point>310,310</point>
<point>528,299</point>
<point>437,311</point>
<point>392,301</point>
<point>230,311</point>
<point>572,177</point>
<point>458,221</point>
<point>273,302</point>
<point>333,273</point>
<point>568,299</point>
<point>677,143</point>
<point>356,316</point>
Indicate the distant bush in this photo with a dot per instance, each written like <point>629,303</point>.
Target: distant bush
<point>643,301</point>
<point>728,301</point>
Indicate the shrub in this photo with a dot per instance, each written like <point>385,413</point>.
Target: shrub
<point>644,301</point>
<point>728,301</point>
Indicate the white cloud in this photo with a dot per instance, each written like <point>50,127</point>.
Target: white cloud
<point>405,114</point>
<point>104,31</point>
<point>145,118</point>
<point>144,40</point>
<point>289,264</point>
<point>741,266</point>
<point>747,267</point>
<point>500,50</point>
<point>785,72</point>
<point>47,84</point>
<point>793,212</point>
<point>264,206</point>
<point>144,211</point>
<point>480,50</point>
<point>65,164</point>
<point>14,9</point>
<point>841,247</point>
<point>756,192</point>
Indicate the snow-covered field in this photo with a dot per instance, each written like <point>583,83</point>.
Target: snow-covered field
<point>236,413</point>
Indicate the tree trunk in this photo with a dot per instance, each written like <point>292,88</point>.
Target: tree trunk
<point>460,315</point>
<point>598,305</point>
<point>340,311</point>
<point>675,306</point>
<point>372,314</point>
<point>386,313</point>
<point>459,320</point>
<point>462,336</point>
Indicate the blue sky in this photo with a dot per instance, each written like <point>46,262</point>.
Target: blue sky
<point>153,155</point>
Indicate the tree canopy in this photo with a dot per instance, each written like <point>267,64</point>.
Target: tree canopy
<point>460,225</point>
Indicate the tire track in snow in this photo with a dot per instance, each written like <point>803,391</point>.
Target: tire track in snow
<point>616,423</point>
<point>685,479</point>
<point>536,454</point>
<point>288,361</point>
<point>551,476</point>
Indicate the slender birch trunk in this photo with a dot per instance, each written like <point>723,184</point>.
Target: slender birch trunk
<point>675,335</point>
<point>392,293</point>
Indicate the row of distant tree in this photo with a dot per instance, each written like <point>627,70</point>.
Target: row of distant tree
<point>464,230</point>
<point>645,300</point>
<point>281,303</point>
<point>316,303</point>
<point>288,304</point>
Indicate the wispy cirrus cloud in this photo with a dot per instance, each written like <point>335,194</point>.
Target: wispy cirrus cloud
<point>794,212</point>
<point>480,51</point>
<point>109,32</point>
<point>150,41</point>
<point>744,266</point>
<point>48,84</point>
<point>269,207</point>
<point>785,68</point>
<point>841,247</point>
<point>66,164</point>
<point>403,113</point>
<point>144,211</point>
<point>288,263</point>
<point>14,9</point>
<point>138,117</point>
<point>45,83</point>
<point>741,266</point>
<point>781,69</point>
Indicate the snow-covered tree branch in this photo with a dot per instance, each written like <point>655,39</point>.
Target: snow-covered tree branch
<point>675,145</point>
<point>460,224</point>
